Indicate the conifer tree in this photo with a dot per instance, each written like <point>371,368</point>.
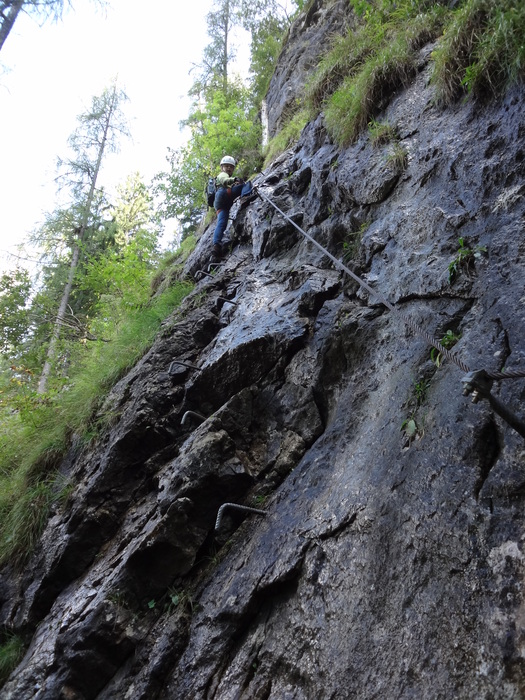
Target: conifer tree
<point>43,9</point>
<point>15,289</point>
<point>96,135</point>
<point>219,52</point>
<point>9,10</point>
<point>224,116</point>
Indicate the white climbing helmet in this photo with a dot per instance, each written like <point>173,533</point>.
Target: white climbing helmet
<point>228,160</point>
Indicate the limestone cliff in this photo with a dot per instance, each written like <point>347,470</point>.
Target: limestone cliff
<point>389,563</point>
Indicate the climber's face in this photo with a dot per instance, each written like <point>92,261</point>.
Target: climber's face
<point>228,168</point>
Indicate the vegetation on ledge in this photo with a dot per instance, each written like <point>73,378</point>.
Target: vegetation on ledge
<point>479,50</point>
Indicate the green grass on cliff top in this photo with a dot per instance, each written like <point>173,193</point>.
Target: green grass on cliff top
<point>482,50</point>
<point>479,50</point>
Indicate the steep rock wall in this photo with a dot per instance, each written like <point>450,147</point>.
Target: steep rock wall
<point>388,564</point>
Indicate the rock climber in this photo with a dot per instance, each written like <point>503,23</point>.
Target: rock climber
<point>229,188</point>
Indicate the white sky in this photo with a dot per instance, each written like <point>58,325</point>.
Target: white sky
<point>48,75</point>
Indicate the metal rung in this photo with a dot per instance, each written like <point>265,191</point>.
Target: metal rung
<point>235,506</point>
<point>192,414</point>
<point>202,272</point>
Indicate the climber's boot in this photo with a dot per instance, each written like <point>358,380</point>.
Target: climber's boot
<point>216,253</point>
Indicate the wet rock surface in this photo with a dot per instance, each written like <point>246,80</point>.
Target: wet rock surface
<point>390,562</point>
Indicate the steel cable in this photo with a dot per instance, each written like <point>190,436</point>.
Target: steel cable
<point>408,321</point>
<point>508,374</point>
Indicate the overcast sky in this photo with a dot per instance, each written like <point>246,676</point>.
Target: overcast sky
<point>48,75</point>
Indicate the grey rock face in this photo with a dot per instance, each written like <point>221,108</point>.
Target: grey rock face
<point>390,563</point>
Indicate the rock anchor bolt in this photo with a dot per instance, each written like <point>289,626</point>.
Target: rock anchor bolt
<point>479,384</point>
<point>192,414</point>
<point>235,506</point>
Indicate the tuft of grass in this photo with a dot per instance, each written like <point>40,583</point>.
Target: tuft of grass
<point>353,105</point>
<point>11,652</point>
<point>381,133</point>
<point>353,241</point>
<point>465,260</point>
<point>482,50</point>
<point>447,341</point>
<point>172,263</point>
<point>378,56</point>
<point>181,599</point>
<point>410,428</point>
<point>347,55</point>
<point>397,156</point>
<point>24,515</point>
<point>288,135</point>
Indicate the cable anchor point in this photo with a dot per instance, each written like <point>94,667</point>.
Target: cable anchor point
<point>479,384</point>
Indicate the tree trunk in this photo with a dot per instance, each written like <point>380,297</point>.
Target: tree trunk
<point>225,54</point>
<point>52,349</point>
<point>8,20</point>
<point>264,121</point>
